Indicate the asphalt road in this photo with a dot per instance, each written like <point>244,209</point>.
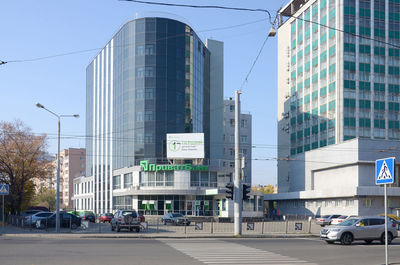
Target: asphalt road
<point>44,251</point>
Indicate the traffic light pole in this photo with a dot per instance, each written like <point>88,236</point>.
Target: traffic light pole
<point>237,194</point>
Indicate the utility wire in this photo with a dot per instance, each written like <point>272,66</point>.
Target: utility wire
<point>204,6</point>
<point>125,45</point>
<point>254,63</point>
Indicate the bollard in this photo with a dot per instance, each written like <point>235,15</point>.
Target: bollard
<point>212,225</point>
<point>262,227</point>
<point>70,223</point>
<point>287,224</point>
<point>157,225</point>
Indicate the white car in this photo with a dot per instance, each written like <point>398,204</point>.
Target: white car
<point>341,219</point>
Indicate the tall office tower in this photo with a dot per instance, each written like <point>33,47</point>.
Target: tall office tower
<point>335,86</point>
<point>152,78</point>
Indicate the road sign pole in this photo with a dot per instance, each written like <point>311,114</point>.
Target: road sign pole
<point>386,228</point>
<point>2,214</point>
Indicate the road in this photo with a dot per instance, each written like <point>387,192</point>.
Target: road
<point>45,251</point>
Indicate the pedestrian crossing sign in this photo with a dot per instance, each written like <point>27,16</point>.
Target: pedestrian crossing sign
<point>384,169</point>
<point>4,189</point>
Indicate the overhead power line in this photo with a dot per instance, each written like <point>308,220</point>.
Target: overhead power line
<point>203,6</point>
<point>125,45</point>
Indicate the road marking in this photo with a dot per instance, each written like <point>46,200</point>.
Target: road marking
<point>223,252</point>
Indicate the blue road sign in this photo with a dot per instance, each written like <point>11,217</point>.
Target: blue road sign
<point>384,169</point>
<point>4,189</point>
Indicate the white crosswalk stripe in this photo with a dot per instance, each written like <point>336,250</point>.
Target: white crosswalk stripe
<point>222,252</point>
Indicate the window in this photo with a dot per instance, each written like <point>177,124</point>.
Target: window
<point>243,123</point>
<point>231,108</point>
<point>116,182</point>
<point>128,180</point>
<point>243,139</point>
<point>148,115</point>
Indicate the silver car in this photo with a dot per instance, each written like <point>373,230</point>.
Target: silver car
<point>361,228</point>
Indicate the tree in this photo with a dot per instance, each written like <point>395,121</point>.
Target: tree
<point>46,197</point>
<point>269,189</point>
<point>21,160</point>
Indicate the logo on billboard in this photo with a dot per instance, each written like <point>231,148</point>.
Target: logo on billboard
<point>174,146</point>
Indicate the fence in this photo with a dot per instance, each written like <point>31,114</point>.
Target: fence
<point>155,226</point>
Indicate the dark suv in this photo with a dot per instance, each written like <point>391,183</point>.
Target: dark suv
<point>127,219</point>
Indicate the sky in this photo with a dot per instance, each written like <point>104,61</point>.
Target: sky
<point>43,28</point>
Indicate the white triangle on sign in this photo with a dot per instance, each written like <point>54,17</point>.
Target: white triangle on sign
<point>384,172</point>
<point>3,189</point>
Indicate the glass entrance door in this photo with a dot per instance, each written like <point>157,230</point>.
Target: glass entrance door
<point>189,207</point>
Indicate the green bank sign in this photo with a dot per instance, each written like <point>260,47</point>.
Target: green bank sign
<point>154,167</point>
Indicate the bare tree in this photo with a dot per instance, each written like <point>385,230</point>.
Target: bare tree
<point>21,160</point>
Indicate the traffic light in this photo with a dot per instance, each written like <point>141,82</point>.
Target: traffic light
<point>246,191</point>
<point>229,191</point>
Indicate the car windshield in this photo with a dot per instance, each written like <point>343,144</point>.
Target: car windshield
<point>325,216</point>
<point>177,215</point>
<point>44,214</point>
<point>349,222</point>
<point>342,217</point>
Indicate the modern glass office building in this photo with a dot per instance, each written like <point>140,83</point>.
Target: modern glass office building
<point>152,78</point>
<point>338,79</point>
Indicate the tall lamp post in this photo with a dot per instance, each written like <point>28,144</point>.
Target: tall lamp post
<point>58,162</point>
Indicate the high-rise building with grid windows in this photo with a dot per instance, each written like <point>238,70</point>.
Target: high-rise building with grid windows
<point>338,80</point>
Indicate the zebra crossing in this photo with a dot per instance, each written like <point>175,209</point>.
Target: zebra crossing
<point>214,251</point>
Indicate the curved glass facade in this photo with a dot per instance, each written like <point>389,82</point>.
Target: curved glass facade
<point>152,78</point>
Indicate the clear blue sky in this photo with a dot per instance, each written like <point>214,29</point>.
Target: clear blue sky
<point>31,29</point>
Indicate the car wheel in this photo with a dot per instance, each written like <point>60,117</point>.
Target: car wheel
<point>112,228</point>
<point>118,228</point>
<point>368,241</point>
<point>74,226</point>
<point>131,229</point>
<point>330,242</point>
<point>390,238</point>
<point>165,222</point>
<point>137,229</point>
<point>346,239</point>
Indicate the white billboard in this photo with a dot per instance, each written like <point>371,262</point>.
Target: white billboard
<point>185,145</point>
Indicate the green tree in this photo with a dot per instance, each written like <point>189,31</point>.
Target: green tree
<point>21,160</point>
<point>46,197</point>
<point>269,189</point>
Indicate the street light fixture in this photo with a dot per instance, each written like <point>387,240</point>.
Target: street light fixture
<point>58,162</point>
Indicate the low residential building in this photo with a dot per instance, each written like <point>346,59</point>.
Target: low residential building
<point>72,165</point>
<point>229,138</point>
<point>83,193</point>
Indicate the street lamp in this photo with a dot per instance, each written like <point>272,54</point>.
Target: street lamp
<point>58,163</point>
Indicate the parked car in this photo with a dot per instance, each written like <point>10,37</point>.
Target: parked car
<point>125,219</point>
<point>106,217</point>
<point>325,219</point>
<point>175,219</point>
<point>66,220</point>
<point>361,228</point>
<point>88,216</point>
<point>341,219</point>
<point>30,220</point>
